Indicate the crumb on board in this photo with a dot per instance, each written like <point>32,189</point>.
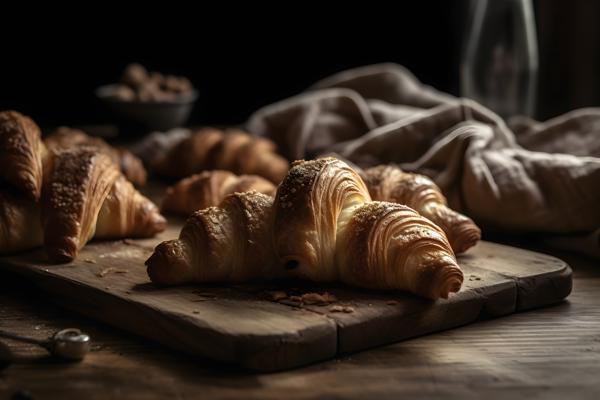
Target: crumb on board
<point>314,299</point>
<point>89,260</point>
<point>341,309</point>
<point>127,241</point>
<point>196,312</point>
<point>111,270</point>
<point>391,302</point>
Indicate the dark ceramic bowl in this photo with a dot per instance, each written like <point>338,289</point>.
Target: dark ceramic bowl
<point>159,116</point>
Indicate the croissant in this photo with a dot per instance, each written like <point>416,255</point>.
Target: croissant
<point>130,165</point>
<point>20,227</point>
<point>390,246</point>
<point>312,201</point>
<point>234,151</point>
<point>326,229</point>
<point>323,227</point>
<point>21,153</point>
<point>209,188</point>
<point>230,243</point>
<point>85,195</point>
<point>389,183</point>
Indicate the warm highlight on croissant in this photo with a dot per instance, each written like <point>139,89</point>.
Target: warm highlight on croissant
<point>390,183</point>
<point>130,165</point>
<point>209,188</point>
<point>127,213</point>
<point>235,151</point>
<point>85,194</point>
<point>327,229</point>
<point>21,153</point>
<point>313,199</point>
<point>228,243</point>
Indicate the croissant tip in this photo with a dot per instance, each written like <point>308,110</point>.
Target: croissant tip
<point>451,283</point>
<point>60,256</point>
<point>167,266</point>
<point>467,236</point>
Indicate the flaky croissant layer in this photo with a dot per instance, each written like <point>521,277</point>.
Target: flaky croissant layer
<point>86,196</point>
<point>232,150</point>
<point>390,246</point>
<point>390,183</point>
<point>209,188</point>
<point>228,243</point>
<point>21,153</point>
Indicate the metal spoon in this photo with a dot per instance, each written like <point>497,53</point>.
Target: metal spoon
<point>69,344</point>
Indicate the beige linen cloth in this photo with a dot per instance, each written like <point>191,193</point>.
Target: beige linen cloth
<point>532,177</point>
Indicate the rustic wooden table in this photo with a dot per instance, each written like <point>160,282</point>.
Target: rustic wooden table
<point>552,352</point>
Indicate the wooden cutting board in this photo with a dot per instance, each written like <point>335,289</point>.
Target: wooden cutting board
<point>245,325</point>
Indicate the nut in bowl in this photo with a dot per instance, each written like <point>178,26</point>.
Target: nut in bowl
<point>149,100</point>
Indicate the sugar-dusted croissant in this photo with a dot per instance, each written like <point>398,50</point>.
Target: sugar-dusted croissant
<point>21,153</point>
<point>228,243</point>
<point>20,227</point>
<point>85,195</point>
<point>390,183</point>
<point>326,229</point>
<point>209,188</point>
<point>130,165</point>
<point>234,151</point>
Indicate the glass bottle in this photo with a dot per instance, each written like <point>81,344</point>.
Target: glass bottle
<point>500,60</point>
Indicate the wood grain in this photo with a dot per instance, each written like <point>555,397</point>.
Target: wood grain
<point>236,324</point>
<point>550,353</point>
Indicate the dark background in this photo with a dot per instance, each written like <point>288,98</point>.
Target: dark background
<point>240,60</point>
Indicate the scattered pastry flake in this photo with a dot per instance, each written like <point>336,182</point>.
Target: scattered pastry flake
<point>391,302</point>
<point>89,260</point>
<point>275,295</point>
<point>196,312</point>
<point>318,299</point>
<point>111,270</point>
<point>127,241</point>
<point>474,278</point>
<point>341,309</point>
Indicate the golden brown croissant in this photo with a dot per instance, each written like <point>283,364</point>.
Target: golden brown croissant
<point>390,246</point>
<point>84,194</point>
<point>209,188</point>
<point>234,151</point>
<point>326,229</point>
<point>20,227</point>
<point>130,165</point>
<point>126,213</point>
<point>389,183</point>
<point>230,243</point>
<point>21,153</point>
